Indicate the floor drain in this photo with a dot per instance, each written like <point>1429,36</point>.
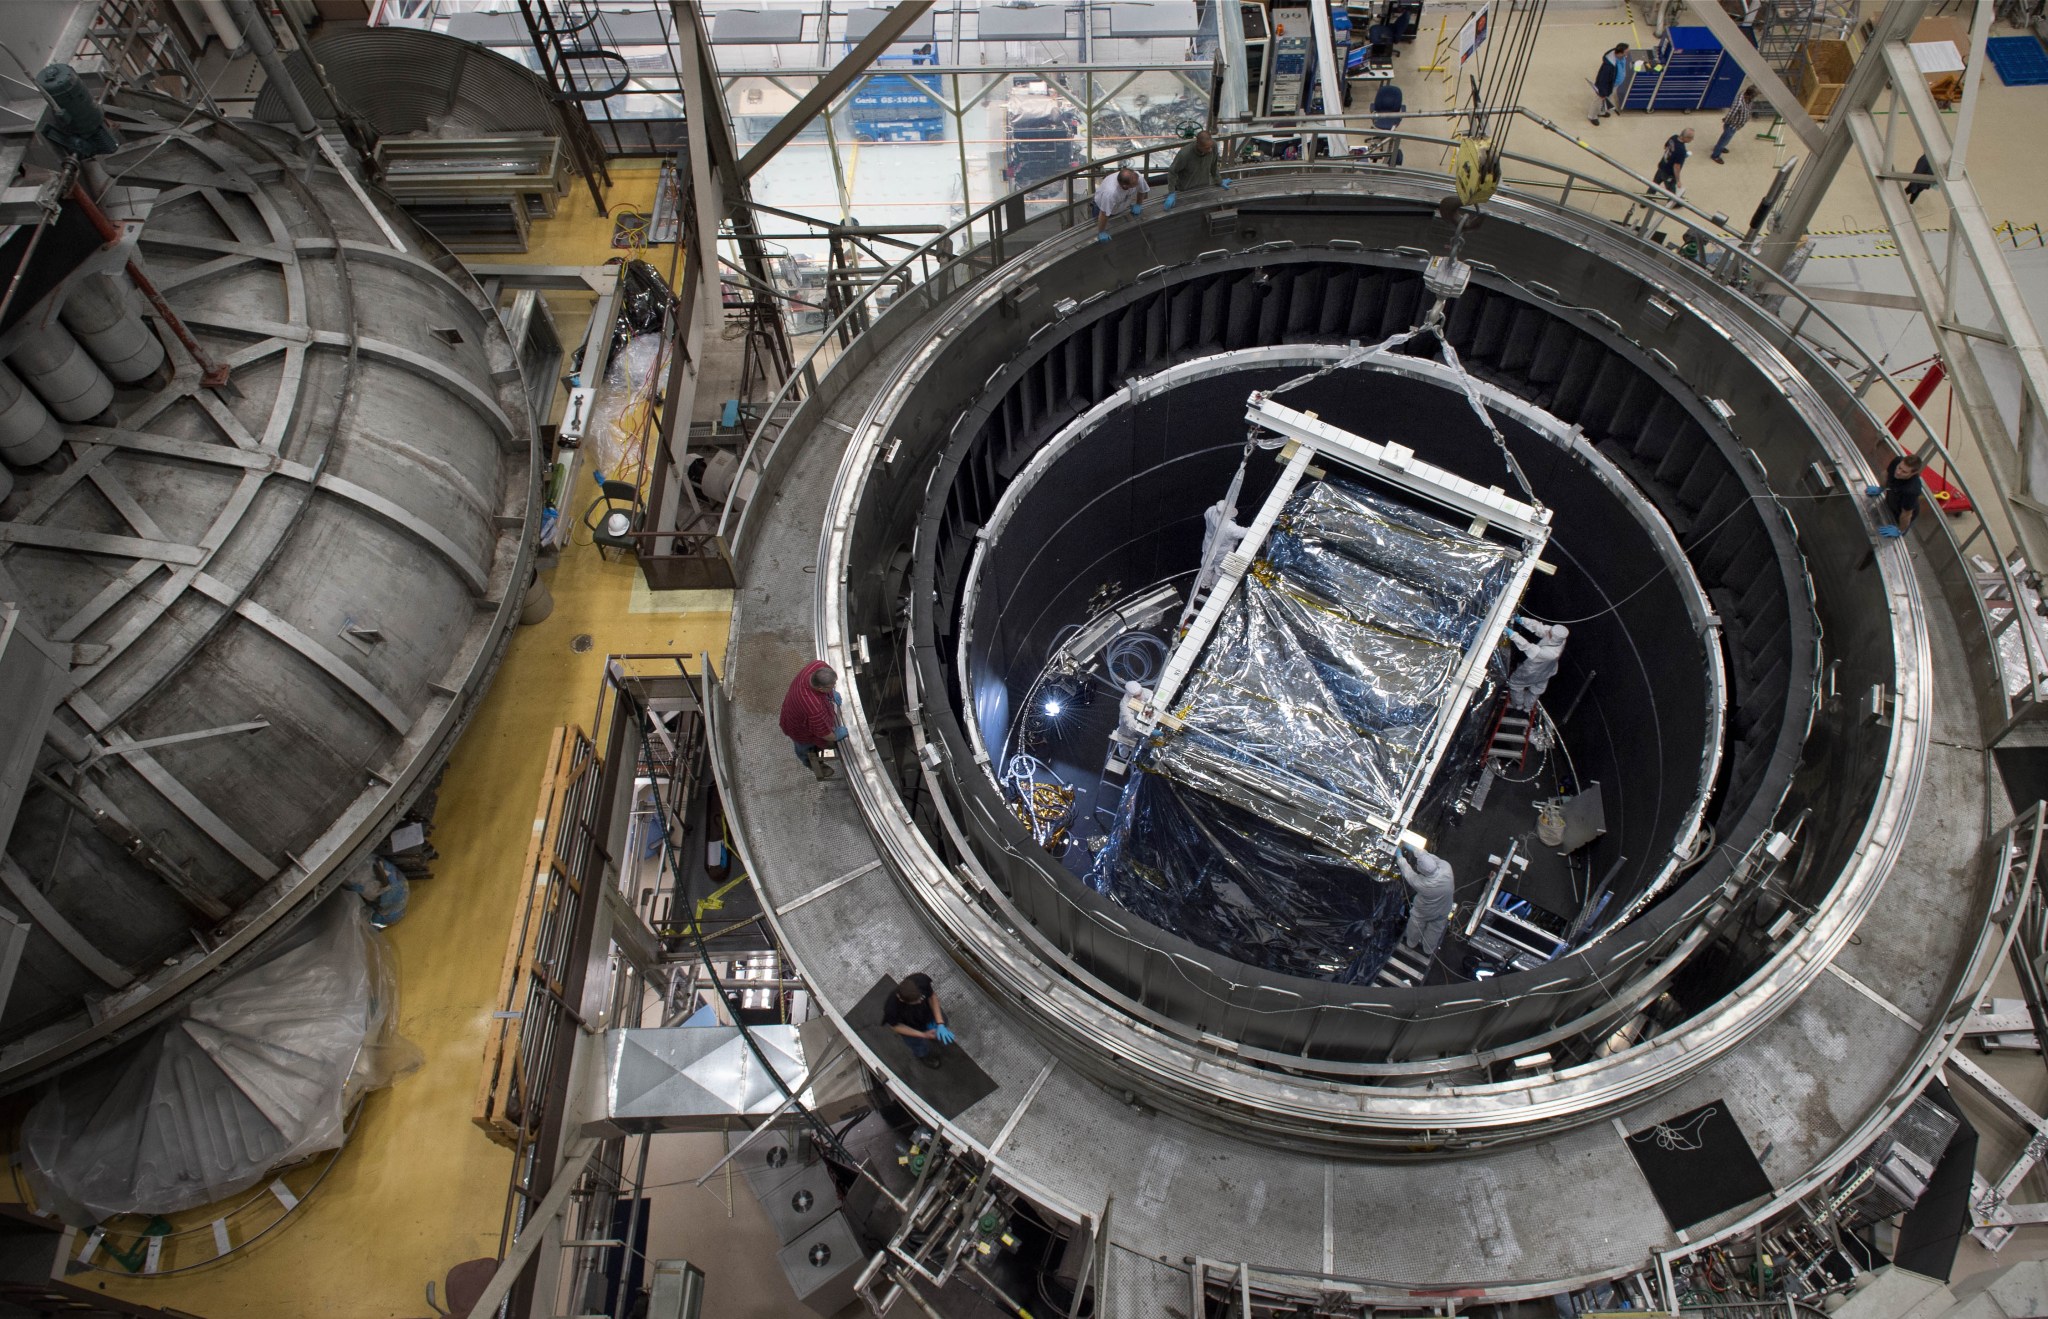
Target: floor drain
<point>582,644</point>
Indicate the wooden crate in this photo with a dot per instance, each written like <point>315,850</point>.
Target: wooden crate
<point>1818,74</point>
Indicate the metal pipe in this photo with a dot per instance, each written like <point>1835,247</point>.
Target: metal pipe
<point>223,26</point>
<point>212,374</point>
<point>632,1230</point>
<point>28,257</point>
<point>257,28</point>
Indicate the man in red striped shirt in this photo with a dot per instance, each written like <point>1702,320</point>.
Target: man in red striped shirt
<point>810,714</point>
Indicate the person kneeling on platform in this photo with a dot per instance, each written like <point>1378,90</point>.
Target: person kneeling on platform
<point>1902,489</point>
<point>913,1012</point>
<point>1429,909</point>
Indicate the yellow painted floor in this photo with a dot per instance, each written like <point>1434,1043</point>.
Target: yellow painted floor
<point>419,1188</point>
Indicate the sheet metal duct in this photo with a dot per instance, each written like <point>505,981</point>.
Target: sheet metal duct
<point>329,550</point>
<point>698,1078</point>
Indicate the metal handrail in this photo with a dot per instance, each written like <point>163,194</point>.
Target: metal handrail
<point>1654,201</point>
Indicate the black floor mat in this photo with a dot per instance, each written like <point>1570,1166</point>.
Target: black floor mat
<point>1932,1230</point>
<point>1698,1165</point>
<point>952,1088</point>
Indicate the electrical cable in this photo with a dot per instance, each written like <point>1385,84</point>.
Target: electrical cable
<point>1664,571</point>
<point>1134,657</point>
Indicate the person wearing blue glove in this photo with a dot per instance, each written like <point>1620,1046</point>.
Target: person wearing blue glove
<point>1902,490</point>
<point>1198,165</point>
<point>913,1012</point>
<point>1125,190</point>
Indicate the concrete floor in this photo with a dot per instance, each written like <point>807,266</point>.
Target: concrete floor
<point>420,1189</point>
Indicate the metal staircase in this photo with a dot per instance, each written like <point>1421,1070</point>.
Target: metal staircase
<point>576,73</point>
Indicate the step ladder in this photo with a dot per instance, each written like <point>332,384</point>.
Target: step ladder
<point>1405,968</point>
<point>1507,751</point>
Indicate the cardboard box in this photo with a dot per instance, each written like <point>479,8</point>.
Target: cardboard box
<point>1945,85</point>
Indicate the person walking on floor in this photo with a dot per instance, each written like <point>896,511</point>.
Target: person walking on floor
<point>1605,81</point>
<point>1734,121</point>
<point>810,715</point>
<point>1670,175</point>
<point>1922,169</point>
<point>913,1012</point>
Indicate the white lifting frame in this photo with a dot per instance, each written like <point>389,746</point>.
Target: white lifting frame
<point>1395,465</point>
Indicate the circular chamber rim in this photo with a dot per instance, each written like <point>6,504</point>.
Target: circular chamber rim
<point>1213,1077</point>
<point>1348,357</point>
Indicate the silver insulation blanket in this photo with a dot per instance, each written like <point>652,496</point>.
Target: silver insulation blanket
<point>1310,710</point>
<point>1315,700</point>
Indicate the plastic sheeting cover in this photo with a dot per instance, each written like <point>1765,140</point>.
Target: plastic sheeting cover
<point>1246,831</point>
<point>1315,700</point>
<point>258,1072</point>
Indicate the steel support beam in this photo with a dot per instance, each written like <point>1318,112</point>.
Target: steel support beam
<point>255,25</point>
<point>1972,235</point>
<point>1328,74</point>
<point>841,76</point>
<point>711,136</point>
<point>1866,80</point>
<point>538,1226</point>
<point>1760,72</point>
<point>1973,76</point>
<point>1972,390</point>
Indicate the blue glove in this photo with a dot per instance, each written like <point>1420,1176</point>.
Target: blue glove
<point>1890,532</point>
<point>1223,183</point>
<point>1872,491</point>
<point>944,1033</point>
<point>1137,209</point>
<point>839,732</point>
<point>1102,237</point>
<point>1167,205</point>
<point>836,700</point>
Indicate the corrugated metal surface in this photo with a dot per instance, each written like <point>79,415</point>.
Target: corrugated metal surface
<point>404,80</point>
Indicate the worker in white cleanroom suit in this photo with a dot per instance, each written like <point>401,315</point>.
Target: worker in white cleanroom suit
<point>1540,648</point>
<point>1220,536</point>
<point>1429,909</point>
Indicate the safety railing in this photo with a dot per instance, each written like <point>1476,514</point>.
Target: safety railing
<point>983,240</point>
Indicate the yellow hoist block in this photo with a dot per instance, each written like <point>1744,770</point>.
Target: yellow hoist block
<point>1476,170</point>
